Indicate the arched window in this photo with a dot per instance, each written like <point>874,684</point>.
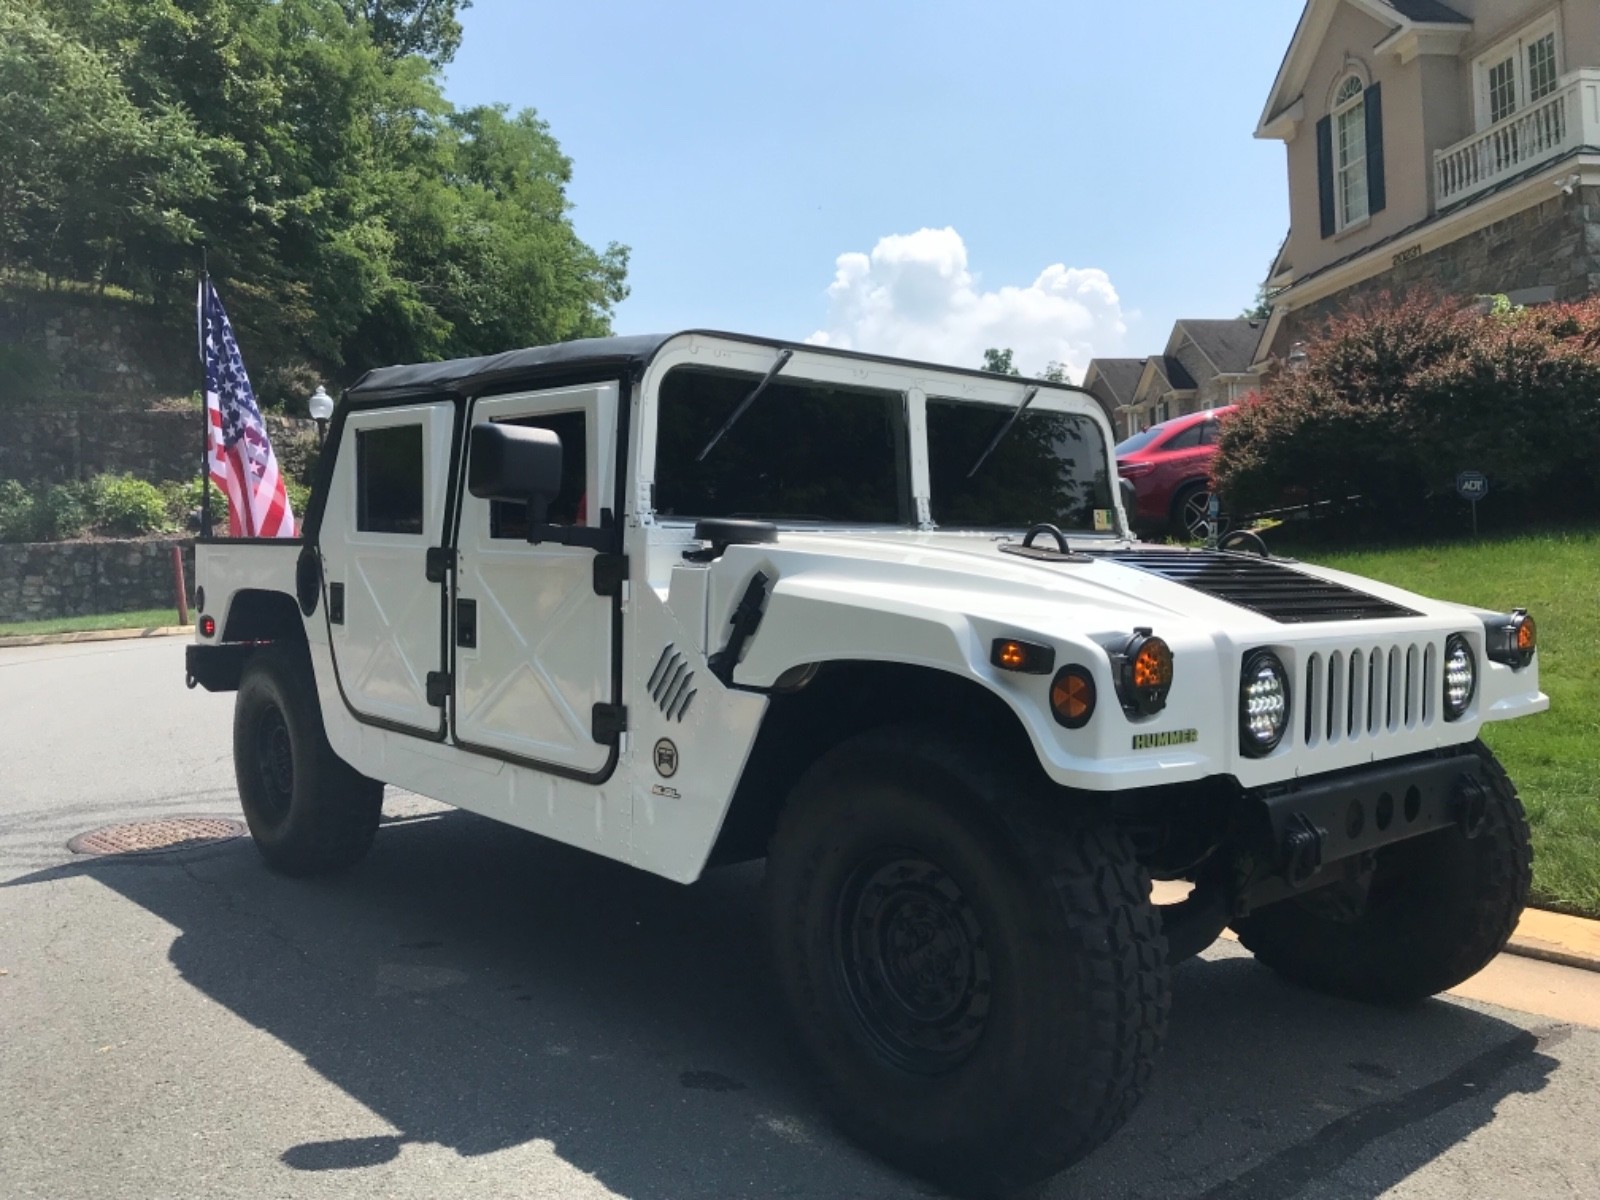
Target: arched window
<point>1350,150</point>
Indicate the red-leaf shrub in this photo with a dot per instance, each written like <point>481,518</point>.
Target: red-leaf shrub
<point>1399,395</point>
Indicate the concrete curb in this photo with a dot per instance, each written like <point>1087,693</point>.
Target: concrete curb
<point>92,635</point>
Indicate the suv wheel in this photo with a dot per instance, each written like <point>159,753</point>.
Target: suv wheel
<point>308,810</point>
<point>1191,509</point>
<point>980,983</point>
<point>1437,910</point>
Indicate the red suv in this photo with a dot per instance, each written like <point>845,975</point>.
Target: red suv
<point>1169,466</point>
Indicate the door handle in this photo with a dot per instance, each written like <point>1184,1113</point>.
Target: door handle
<point>467,624</point>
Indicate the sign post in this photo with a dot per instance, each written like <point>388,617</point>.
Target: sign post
<point>1472,486</point>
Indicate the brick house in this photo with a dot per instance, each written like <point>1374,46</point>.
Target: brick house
<point>1206,364</point>
<point>1452,146</point>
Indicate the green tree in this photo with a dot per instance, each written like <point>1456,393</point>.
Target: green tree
<point>429,28</point>
<point>999,361</point>
<point>91,184</point>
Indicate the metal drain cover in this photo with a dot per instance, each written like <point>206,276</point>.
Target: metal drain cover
<point>162,836</point>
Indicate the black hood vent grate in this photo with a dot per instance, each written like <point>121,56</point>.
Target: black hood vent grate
<point>1277,592</point>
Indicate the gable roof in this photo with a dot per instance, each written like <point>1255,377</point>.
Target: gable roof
<point>1116,377</point>
<point>1174,372</point>
<point>1229,345</point>
<point>1402,19</point>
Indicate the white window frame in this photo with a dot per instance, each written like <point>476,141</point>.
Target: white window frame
<point>1354,106</point>
<point>1516,49</point>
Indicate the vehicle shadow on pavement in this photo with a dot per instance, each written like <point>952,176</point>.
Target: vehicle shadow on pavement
<point>479,989</point>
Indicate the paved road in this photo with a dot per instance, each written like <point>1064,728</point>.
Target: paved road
<point>475,1013</point>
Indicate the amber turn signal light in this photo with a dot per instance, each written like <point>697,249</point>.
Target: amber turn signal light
<point>1511,638</point>
<point>1030,658</point>
<point>1072,696</point>
<point>1144,673</point>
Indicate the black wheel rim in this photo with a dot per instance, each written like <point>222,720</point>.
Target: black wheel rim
<point>275,762</point>
<point>913,961</point>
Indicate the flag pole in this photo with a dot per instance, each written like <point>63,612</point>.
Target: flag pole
<point>205,407</point>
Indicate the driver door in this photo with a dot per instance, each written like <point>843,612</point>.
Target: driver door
<point>533,641</point>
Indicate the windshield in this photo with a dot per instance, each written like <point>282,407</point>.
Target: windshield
<point>805,451</point>
<point>1049,468</point>
<point>1140,440</point>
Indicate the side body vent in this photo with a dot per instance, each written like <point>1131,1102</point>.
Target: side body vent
<point>671,684</point>
<point>1277,592</point>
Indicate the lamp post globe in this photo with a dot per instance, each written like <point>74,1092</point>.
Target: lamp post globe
<point>321,406</point>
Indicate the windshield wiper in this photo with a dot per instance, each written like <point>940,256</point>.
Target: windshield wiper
<point>1027,399</point>
<point>772,372</point>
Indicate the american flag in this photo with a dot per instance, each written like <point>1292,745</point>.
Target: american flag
<point>238,453</point>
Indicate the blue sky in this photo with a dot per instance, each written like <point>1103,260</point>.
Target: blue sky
<point>1067,178</point>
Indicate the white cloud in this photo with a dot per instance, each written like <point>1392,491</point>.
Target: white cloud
<point>914,296</point>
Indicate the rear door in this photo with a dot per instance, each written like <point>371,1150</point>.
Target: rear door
<point>386,508</point>
<point>533,637</point>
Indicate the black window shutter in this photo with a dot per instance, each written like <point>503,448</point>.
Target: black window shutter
<point>1325,173</point>
<point>1377,194</point>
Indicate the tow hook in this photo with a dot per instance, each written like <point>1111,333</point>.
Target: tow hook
<point>1302,850</point>
<point>1470,805</point>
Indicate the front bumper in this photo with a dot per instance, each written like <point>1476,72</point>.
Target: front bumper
<point>1309,829</point>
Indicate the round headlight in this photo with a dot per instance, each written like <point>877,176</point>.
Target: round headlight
<point>1263,703</point>
<point>1144,674</point>
<point>1460,676</point>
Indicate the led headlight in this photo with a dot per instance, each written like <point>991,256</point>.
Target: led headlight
<point>1460,676</point>
<point>1263,703</point>
<point>1143,674</point>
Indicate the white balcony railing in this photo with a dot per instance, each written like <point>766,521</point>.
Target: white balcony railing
<point>1560,123</point>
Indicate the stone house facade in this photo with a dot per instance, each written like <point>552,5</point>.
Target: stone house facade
<point>1447,145</point>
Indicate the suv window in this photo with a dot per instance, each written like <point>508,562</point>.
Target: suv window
<point>1051,467</point>
<point>509,518</point>
<point>389,479</point>
<point>1185,439</point>
<point>1210,433</point>
<point>804,451</point>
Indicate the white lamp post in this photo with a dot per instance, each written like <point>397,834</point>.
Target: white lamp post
<point>321,406</point>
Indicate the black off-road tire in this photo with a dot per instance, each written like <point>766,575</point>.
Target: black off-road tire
<point>309,811</point>
<point>976,974</point>
<point>1440,908</point>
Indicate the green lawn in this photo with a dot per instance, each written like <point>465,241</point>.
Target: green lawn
<point>148,619</point>
<point>1553,758</point>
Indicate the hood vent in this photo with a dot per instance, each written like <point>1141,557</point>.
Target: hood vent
<point>671,684</point>
<point>1277,592</point>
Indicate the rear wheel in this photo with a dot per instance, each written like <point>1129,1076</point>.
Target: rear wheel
<point>980,983</point>
<point>1191,512</point>
<point>308,810</point>
<point>1437,910</point>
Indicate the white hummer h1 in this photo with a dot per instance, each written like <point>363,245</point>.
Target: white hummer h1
<point>705,598</point>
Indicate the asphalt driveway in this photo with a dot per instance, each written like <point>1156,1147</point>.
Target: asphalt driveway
<point>474,1012</point>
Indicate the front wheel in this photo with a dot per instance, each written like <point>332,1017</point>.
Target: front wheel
<point>1437,910</point>
<point>308,810</point>
<point>977,977</point>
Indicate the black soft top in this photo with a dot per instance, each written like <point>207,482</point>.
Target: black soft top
<point>471,374</point>
<point>628,355</point>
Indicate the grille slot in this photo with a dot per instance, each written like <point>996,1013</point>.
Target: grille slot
<point>1275,591</point>
<point>1362,693</point>
<point>671,684</point>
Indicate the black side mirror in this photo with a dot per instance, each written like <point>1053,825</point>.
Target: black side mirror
<point>515,462</point>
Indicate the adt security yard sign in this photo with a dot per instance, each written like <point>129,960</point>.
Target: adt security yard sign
<point>1472,486</point>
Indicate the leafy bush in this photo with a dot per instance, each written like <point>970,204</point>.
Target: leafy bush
<point>121,504</point>
<point>46,515</point>
<point>1399,396</point>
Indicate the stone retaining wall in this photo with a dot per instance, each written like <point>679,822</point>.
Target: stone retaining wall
<point>160,446</point>
<point>44,580</point>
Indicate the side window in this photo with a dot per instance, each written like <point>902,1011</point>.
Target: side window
<point>389,479</point>
<point>509,519</point>
<point>1186,439</point>
<point>1210,433</point>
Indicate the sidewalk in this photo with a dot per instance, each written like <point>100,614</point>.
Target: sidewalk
<point>92,635</point>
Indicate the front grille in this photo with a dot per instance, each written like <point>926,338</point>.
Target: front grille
<point>1367,692</point>
<point>1277,592</point>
